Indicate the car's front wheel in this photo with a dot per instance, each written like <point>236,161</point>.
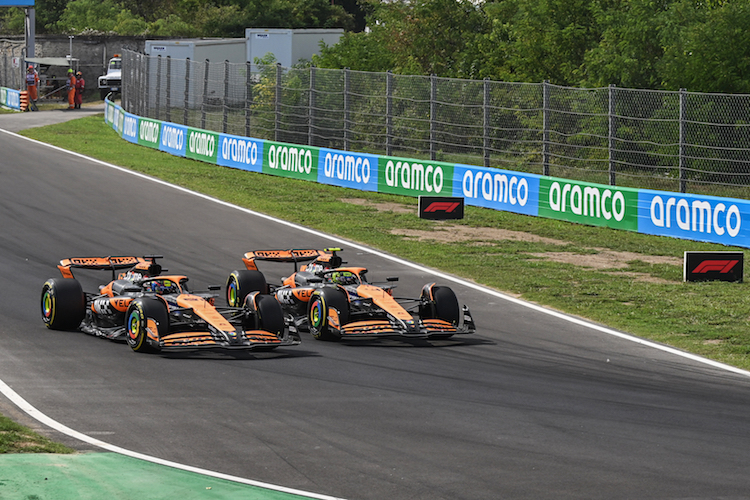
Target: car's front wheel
<point>143,314</point>
<point>440,302</point>
<point>319,309</point>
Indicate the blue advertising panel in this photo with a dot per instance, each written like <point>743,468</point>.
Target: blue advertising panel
<point>10,98</point>
<point>240,152</point>
<point>694,217</point>
<point>129,127</point>
<point>497,189</point>
<point>351,170</point>
<point>16,3</point>
<point>173,138</point>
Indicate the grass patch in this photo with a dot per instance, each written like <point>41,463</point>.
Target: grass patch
<point>15,438</point>
<point>646,299</point>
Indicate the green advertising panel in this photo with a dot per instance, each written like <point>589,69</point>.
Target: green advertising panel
<point>202,145</point>
<point>290,160</point>
<point>119,121</point>
<point>149,132</point>
<point>414,177</point>
<point>586,203</point>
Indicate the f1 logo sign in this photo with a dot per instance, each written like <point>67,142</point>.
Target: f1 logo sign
<point>713,266</point>
<point>441,207</point>
<point>720,266</point>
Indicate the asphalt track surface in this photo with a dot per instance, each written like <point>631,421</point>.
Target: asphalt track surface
<point>532,406</point>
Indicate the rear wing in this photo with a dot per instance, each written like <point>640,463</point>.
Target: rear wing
<point>145,264</point>
<point>294,255</point>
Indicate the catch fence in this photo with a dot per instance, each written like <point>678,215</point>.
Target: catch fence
<point>675,141</point>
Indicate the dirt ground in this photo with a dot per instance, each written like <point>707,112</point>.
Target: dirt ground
<point>451,233</point>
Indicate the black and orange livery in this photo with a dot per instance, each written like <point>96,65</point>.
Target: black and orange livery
<point>336,301</point>
<point>154,311</point>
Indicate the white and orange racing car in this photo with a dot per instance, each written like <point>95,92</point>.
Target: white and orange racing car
<point>154,311</point>
<point>335,301</point>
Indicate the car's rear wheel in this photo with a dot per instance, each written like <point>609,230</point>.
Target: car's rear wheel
<point>318,310</point>
<point>139,314</point>
<point>240,284</point>
<point>63,304</point>
<point>441,303</point>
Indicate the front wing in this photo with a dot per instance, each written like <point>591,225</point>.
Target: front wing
<point>418,328</point>
<point>249,340</point>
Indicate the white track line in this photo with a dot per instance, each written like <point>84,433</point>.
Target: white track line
<point>25,406</point>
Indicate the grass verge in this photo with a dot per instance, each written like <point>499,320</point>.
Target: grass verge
<point>15,438</point>
<point>637,294</point>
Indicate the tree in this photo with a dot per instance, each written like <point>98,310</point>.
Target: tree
<point>711,51</point>
<point>536,40</point>
<point>631,46</point>
<point>413,37</point>
<point>105,16</point>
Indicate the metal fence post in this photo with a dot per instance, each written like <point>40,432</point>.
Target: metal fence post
<point>545,127</point>
<point>249,96</point>
<point>124,90</point>
<point>187,92</point>
<point>145,64</point>
<point>204,104</point>
<point>169,88</point>
<point>433,117</point>
<point>346,109</point>
<point>277,121</point>
<point>225,122</point>
<point>611,142</point>
<point>389,113</point>
<point>486,122</point>
<point>683,114</point>
<point>158,86</point>
<point>311,109</point>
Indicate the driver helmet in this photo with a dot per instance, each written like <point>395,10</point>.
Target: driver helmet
<point>31,68</point>
<point>162,287</point>
<point>344,278</point>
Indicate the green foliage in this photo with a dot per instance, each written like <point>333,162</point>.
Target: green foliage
<point>102,16</point>
<point>711,52</point>
<point>357,51</point>
<point>702,46</point>
<point>669,44</point>
<point>180,18</point>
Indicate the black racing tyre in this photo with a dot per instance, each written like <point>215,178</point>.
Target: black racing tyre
<point>317,312</point>
<point>240,284</point>
<point>443,304</point>
<point>136,322</point>
<point>269,315</point>
<point>63,303</point>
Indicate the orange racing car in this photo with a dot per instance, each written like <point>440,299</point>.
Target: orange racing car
<point>335,301</point>
<point>154,311</point>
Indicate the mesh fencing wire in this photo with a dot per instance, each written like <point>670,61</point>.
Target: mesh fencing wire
<point>674,141</point>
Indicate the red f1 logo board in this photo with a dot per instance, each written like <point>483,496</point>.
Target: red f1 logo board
<point>441,207</point>
<point>713,266</point>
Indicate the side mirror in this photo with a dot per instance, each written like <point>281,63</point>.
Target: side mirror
<point>214,287</point>
<point>392,278</point>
